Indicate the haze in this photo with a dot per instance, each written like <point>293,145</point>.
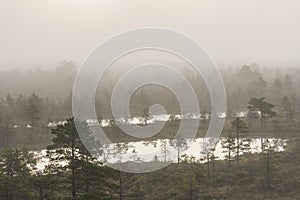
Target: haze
<point>37,33</point>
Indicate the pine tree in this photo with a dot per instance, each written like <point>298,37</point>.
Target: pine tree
<point>15,168</point>
<point>33,109</point>
<point>288,108</point>
<point>67,147</point>
<point>261,85</point>
<point>229,146</point>
<point>265,110</point>
<point>179,144</point>
<point>239,126</point>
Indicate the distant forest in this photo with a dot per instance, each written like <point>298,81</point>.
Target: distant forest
<point>30,100</point>
<point>46,94</point>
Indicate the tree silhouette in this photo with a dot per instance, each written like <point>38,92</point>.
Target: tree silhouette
<point>68,147</point>
<point>288,108</point>
<point>33,109</point>
<point>180,144</point>
<point>265,108</point>
<point>261,85</point>
<point>240,126</point>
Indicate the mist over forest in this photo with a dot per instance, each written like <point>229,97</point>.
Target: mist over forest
<point>257,151</point>
<point>248,151</point>
<point>53,88</point>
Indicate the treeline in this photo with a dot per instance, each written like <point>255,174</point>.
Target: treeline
<point>252,81</point>
<point>241,83</point>
<point>55,84</point>
<point>75,173</point>
<point>24,120</point>
<point>46,95</point>
<point>33,110</point>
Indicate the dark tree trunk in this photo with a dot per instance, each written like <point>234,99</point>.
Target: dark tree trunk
<point>120,183</point>
<point>178,156</point>
<point>268,170</point>
<point>41,193</point>
<point>165,152</point>
<point>73,186</point>
<point>238,146</point>
<point>208,167</point>
<point>262,127</point>
<point>229,158</point>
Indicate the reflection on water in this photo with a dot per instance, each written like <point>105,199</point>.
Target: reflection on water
<point>169,150</point>
<point>162,150</point>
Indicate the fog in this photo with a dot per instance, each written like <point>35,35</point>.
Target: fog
<point>42,33</point>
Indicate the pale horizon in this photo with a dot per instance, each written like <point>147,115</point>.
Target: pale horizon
<point>42,33</point>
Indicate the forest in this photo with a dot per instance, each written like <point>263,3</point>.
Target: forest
<point>36,114</point>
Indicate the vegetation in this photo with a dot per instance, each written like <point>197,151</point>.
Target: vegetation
<point>75,173</point>
<point>272,175</point>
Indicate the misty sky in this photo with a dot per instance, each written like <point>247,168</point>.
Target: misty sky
<point>42,32</point>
